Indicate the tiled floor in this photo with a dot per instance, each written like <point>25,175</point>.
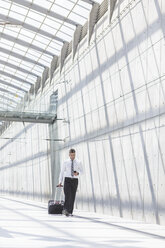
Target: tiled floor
<point>26,224</point>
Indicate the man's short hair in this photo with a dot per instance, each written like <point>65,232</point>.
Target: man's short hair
<point>72,150</point>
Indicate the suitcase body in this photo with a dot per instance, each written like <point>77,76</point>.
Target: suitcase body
<point>55,207</point>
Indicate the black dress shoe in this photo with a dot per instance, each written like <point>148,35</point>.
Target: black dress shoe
<point>65,212</point>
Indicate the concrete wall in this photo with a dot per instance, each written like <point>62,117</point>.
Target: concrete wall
<point>115,107</point>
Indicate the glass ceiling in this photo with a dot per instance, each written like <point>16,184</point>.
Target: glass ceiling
<point>31,33</point>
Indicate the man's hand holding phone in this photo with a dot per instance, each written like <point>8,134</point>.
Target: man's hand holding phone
<point>76,173</point>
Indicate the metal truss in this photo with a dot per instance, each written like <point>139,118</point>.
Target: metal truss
<point>47,118</point>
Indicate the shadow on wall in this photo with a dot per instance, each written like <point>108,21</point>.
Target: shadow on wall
<point>17,136</point>
<point>23,161</point>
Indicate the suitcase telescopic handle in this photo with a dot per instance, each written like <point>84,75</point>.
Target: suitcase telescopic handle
<point>56,193</point>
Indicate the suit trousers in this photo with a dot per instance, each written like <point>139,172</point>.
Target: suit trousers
<point>70,188</point>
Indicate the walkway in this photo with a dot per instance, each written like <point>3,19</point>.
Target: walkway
<point>26,224</point>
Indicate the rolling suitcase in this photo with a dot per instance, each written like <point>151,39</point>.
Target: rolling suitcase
<point>55,206</point>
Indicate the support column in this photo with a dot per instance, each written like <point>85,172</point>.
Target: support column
<point>37,85</point>
<point>31,93</point>
<point>63,54</point>
<point>92,20</point>
<point>76,39</point>
<point>53,67</point>
<point>111,6</point>
<point>44,77</point>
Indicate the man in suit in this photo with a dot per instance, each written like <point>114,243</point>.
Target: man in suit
<point>70,172</point>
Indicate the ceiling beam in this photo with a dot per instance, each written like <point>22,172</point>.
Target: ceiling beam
<point>25,44</point>
<point>6,74</point>
<point>9,92</point>
<point>89,1</point>
<point>21,57</point>
<point>12,85</point>
<point>30,27</point>
<point>7,98</point>
<point>10,65</point>
<point>5,104</point>
<point>44,11</point>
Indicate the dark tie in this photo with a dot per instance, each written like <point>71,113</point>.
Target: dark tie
<point>72,169</point>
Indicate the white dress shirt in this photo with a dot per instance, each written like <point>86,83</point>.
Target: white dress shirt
<point>66,169</point>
